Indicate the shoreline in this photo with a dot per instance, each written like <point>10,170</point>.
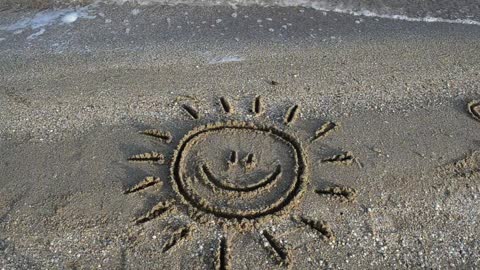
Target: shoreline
<point>360,66</point>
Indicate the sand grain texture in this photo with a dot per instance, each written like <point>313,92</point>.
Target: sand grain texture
<point>81,102</point>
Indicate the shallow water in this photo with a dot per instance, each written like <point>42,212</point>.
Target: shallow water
<point>445,9</point>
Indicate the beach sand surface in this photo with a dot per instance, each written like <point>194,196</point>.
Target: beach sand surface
<point>379,161</point>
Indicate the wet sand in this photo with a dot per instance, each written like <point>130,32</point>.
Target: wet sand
<point>75,99</point>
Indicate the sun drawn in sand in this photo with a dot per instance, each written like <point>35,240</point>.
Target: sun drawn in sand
<point>239,174</point>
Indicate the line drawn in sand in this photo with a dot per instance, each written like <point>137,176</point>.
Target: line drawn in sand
<point>474,109</point>
<point>239,174</point>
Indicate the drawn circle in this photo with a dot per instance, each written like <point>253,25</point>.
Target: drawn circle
<point>195,181</point>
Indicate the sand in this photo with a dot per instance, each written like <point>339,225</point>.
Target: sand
<point>386,173</point>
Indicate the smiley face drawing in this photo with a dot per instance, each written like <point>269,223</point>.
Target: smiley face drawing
<point>250,192</point>
<point>239,173</point>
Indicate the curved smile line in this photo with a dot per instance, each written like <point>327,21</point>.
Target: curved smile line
<point>227,185</point>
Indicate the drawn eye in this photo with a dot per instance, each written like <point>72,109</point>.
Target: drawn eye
<point>240,174</point>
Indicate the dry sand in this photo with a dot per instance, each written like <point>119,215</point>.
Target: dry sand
<point>404,152</point>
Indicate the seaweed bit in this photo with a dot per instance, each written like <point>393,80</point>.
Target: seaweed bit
<point>272,82</point>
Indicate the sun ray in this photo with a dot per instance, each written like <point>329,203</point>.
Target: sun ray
<point>320,226</point>
<point>227,107</point>
<point>346,158</point>
<point>324,130</point>
<point>149,157</point>
<point>257,106</point>
<point>177,237</point>
<point>162,135</point>
<point>191,111</point>
<point>222,256</point>
<point>145,183</point>
<point>158,210</point>
<point>344,193</point>
<point>474,109</point>
<point>292,114</point>
<point>280,251</point>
